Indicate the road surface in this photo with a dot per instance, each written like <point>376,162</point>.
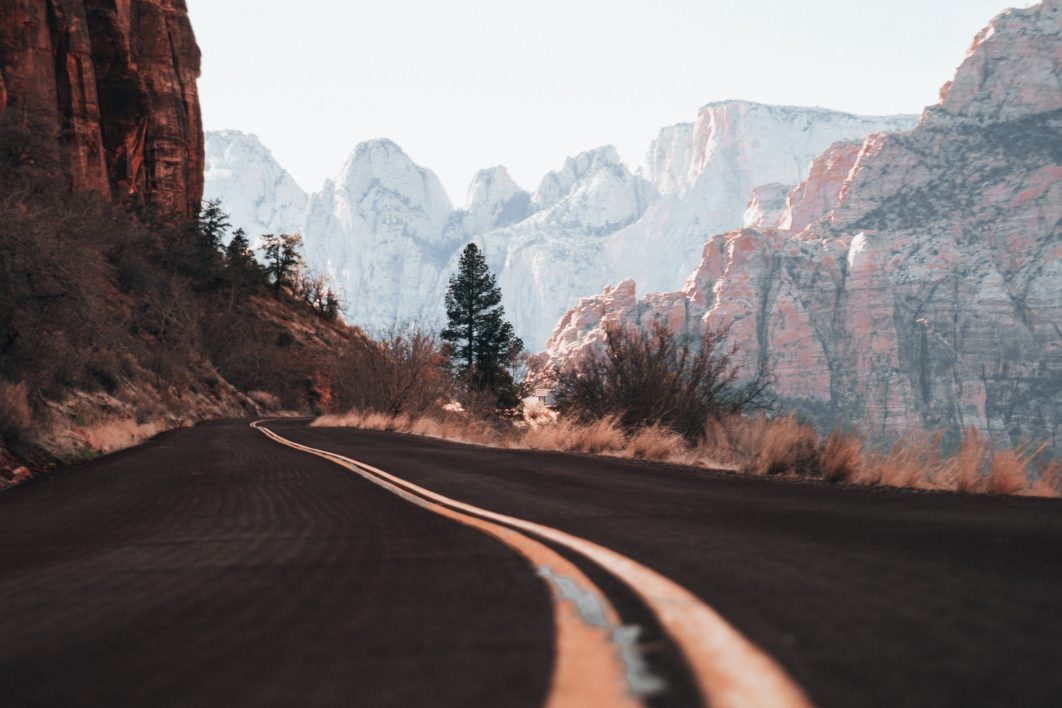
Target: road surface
<point>217,566</point>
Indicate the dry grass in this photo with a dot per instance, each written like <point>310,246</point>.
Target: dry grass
<point>1048,483</point>
<point>842,458</point>
<point>787,447</point>
<point>965,470</point>
<point>1010,471</point>
<point>16,416</point>
<point>755,446</point>
<point>117,434</point>
<point>267,401</point>
<point>603,436</point>
<point>913,462</point>
<point>657,443</point>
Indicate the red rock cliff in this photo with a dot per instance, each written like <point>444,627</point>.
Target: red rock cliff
<point>107,90</point>
<point>912,282</point>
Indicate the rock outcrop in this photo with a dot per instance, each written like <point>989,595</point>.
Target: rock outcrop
<point>107,91</point>
<point>912,281</point>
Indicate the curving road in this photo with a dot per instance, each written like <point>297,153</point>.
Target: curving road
<point>216,566</point>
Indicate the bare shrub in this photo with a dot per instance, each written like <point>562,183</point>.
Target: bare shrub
<point>401,373</point>
<point>653,377</point>
<point>16,416</point>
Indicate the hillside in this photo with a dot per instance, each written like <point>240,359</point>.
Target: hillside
<point>119,316</point>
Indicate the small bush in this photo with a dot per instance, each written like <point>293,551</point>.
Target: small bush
<point>400,373</point>
<point>653,377</point>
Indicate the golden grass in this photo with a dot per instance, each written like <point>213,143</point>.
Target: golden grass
<point>599,437</point>
<point>1010,471</point>
<point>755,446</point>
<point>842,458</point>
<point>266,401</point>
<point>787,447</point>
<point>1048,483</point>
<point>117,434</point>
<point>657,443</point>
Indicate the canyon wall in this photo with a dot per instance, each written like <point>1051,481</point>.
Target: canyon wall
<point>913,280</point>
<point>103,93</point>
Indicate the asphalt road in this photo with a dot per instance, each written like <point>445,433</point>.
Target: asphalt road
<point>215,566</point>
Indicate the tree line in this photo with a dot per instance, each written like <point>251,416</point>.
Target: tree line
<point>282,267</point>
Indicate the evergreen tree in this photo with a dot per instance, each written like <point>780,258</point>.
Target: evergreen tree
<point>213,223</point>
<point>282,259</point>
<point>238,252</point>
<point>482,343</point>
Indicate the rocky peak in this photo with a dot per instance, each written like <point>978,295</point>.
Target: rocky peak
<point>556,185</point>
<point>108,90</point>
<point>1012,69</point>
<point>382,184</point>
<point>494,200</point>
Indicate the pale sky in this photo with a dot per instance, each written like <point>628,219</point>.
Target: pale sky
<point>467,84</point>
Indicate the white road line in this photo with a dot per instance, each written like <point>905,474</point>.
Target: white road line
<point>730,671</point>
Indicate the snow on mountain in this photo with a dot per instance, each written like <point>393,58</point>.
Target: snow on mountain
<point>386,231</point>
<point>545,260</point>
<point>259,195</point>
<point>383,230</point>
<point>706,172</point>
<point>494,200</point>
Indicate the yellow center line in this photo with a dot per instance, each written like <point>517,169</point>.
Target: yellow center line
<point>588,666</point>
<point>729,670</point>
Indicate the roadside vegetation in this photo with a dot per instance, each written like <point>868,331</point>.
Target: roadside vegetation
<point>116,324</point>
<point>649,395</point>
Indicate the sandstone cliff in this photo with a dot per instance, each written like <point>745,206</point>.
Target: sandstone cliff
<point>107,91</point>
<point>911,281</point>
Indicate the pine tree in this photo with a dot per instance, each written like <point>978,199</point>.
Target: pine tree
<point>282,259</point>
<point>238,251</point>
<point>482,343</point>
<point>213,223</point>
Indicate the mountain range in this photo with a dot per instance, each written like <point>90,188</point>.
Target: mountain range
<point>386,232</point>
